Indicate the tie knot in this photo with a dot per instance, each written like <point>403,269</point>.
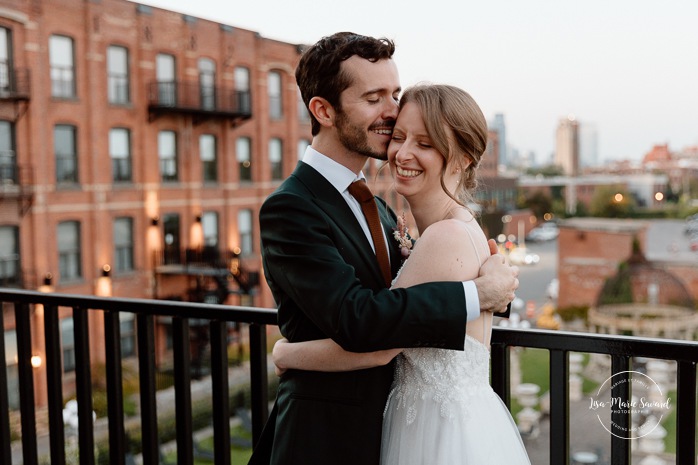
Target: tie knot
<point>360,191</point>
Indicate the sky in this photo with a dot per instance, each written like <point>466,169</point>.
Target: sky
<point>627,68</point>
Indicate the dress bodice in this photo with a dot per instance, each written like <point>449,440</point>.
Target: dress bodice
<point>447,377</point>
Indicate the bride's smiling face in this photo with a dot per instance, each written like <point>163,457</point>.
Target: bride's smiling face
<point>415,164</point>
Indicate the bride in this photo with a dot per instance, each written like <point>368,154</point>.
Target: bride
<point>441,409</point>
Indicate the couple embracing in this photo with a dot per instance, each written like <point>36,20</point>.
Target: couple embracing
<point>384,360</point>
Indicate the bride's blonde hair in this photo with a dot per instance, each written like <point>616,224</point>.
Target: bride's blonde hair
<point>457,129</point>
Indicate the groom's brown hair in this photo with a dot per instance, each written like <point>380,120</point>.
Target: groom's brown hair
<point>319,71</point>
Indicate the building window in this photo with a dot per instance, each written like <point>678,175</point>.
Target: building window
<point>167,153</point>
<point>123,245</point>
<point>9,256</point>
<point>209,160</point>
<point>68,345</point>
<point>127,325</point>
<point>5,63</point>
<point>166,78</point>
<point>242,89</point>
<point>8,160</point>
<point>245,231</point>
<point>65,148</point>
<point>207,83</point>
<point>117,75</point>
<point>303,115</point>
<point>302,145</point>
<point>120,153</point>
<point>276,158</point>
<point>242,150</point>
<point>69,261</point>
<point>275,100</point>
<point>209,225</point>
<point>62,60</point>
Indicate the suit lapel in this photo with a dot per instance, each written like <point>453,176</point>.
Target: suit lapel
<point>333,204</point>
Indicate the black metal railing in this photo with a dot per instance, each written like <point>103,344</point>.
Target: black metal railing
<point>14,82</point>
<point>25,302</point>
<point>202,101</point>
<point>620,348</point>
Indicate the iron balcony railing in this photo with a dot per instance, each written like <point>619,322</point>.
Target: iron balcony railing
<point>559,344</point>
<point>199,100</point>
<point>14,82</point>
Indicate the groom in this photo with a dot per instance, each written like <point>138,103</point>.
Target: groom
<point>320,263</point>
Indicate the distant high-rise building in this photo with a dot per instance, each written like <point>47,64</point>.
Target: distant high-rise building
<point>588,145</point>
<point>499,126</point>
<point>567,145</point>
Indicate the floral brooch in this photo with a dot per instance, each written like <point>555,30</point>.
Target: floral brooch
<point>401,235</point>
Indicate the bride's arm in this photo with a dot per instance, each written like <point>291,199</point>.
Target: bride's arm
<point>325,355</point>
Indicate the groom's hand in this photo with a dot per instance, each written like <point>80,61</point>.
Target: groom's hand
<point>497,281</point>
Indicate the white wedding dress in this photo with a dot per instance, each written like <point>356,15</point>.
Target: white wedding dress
<point>442,410</point>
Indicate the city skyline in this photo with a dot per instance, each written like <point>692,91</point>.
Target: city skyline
<point>624,67</point>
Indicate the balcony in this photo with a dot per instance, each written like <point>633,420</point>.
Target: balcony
<point>14,83</point>
<point>37,313</point>
<point>200,102</point>
<point>15,181</point>
<point>221,266</point>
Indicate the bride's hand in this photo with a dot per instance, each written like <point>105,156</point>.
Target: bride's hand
<point>277,356</point>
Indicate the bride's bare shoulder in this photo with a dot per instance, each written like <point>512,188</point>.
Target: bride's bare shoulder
<point>447,237</point>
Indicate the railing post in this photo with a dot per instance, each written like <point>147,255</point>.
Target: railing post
<point>26,383</point>
<point>559,407</point>
<point>620,447</point>
<point>115,392</point>
<point>182,376</point>
<point>686,415</point>
<point>146,372</point>
<point>501,376</point>
<point>83,378</point>
<point>259,382</point>
<point>5,447</point>
<point>220,391</point>
<point>54,371</point>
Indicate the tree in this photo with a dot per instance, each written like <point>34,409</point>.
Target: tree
<point>547,171</point>
<point>612,202</point>
<point>539,202</point>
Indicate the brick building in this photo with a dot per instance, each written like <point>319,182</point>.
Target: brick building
<point>136,147</point>
<point>590,250</point>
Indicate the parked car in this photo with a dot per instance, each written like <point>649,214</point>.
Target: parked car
<point>521,256</point>
<point>545,232</point>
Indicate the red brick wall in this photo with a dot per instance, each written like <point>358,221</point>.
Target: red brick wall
<point>585,259</point>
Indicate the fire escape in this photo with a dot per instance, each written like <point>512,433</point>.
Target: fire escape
<point>201,102</point>
<point>212,274</point>
<point>16,180</point>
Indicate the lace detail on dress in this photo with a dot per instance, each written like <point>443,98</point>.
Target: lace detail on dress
<point>448,377</point>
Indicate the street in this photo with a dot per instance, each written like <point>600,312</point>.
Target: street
<point>534,279</point>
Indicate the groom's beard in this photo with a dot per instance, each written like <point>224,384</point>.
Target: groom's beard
<point>355,138</point>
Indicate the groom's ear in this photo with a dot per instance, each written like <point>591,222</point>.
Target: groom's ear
<point>322,110</point>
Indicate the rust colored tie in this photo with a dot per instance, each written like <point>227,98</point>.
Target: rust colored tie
<point>360,191</point>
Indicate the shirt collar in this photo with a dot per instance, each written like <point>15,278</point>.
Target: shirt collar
<point>338,175</point>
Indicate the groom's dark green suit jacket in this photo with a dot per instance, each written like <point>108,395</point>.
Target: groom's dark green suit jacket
<point>327,283</point>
